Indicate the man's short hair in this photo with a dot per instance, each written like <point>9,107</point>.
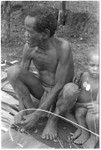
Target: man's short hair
<point>45,19</point>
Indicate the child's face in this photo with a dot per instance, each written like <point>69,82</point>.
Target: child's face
<point>93,66</point>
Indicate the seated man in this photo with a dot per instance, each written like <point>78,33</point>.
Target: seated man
<point>87,106</point>
<point>53,59</point>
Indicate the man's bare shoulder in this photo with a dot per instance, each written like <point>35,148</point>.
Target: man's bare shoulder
<point>64,43</point>
<point>64,50</point>
<point>65,47</point>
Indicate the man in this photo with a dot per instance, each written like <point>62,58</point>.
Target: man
<point>52,58</point>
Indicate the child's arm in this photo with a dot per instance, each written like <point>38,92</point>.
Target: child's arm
<point>94,106</point>
<point>81,104</point>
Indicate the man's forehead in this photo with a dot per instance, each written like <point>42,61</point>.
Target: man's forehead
<point>30,21</point>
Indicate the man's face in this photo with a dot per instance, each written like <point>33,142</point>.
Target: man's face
<point>93,66</point>
<point>31,35</point>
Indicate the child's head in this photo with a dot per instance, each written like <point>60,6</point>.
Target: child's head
<point>93,63</point>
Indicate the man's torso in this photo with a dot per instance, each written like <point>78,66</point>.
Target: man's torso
<point>46,62</point>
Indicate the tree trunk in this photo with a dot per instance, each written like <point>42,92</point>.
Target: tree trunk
<point>5,23</point>
<point>7,9</point>
<point>62,13</point>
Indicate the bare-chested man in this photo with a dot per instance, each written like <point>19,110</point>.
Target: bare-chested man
<point>52,58</point>
<point>87,111</point>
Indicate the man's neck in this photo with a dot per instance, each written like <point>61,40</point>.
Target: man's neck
<point>45,44</point>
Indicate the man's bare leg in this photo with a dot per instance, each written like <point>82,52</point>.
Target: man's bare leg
<point>93,125</point>
<point>24,83</point>
<point>81,118</point>
<point>64,104</point>
<point>76,134</point>
<point>50,131</point>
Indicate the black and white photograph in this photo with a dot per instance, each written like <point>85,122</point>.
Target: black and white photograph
<point>50,72</point>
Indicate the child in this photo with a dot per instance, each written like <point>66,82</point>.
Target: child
<point>87,106</point>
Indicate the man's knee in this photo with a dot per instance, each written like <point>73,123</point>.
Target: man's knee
<point>67,97</point>
<point>80,112</point>
<point>70,91</point>
<point>13,73</point>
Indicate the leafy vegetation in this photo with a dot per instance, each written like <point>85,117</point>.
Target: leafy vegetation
<point>81,29</point>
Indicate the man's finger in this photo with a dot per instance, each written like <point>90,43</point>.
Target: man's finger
<point>24,121</point>
<point>22,130</point>
<point>17,120</point>
<point>25,117</point>
<point>27,126</point>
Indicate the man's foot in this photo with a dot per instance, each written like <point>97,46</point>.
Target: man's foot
<point>50,131</point>
<point>91,142</point>
<point>76,134</point>
<point>82,138</point>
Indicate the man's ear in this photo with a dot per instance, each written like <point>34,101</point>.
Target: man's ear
<point>46,34</point>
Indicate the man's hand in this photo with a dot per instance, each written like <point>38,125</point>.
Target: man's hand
<point>29,121</point>
<point>93,108</point>
<point>18,118</point>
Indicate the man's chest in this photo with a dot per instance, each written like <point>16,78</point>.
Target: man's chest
<point>45,60</point>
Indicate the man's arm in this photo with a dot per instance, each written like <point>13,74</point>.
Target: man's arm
<point>26,58</point>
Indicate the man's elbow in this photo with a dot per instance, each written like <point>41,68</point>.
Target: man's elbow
<point>59,86</point>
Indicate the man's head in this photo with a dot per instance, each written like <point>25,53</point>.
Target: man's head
<point>40,24</point>
<point>93,63</point>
